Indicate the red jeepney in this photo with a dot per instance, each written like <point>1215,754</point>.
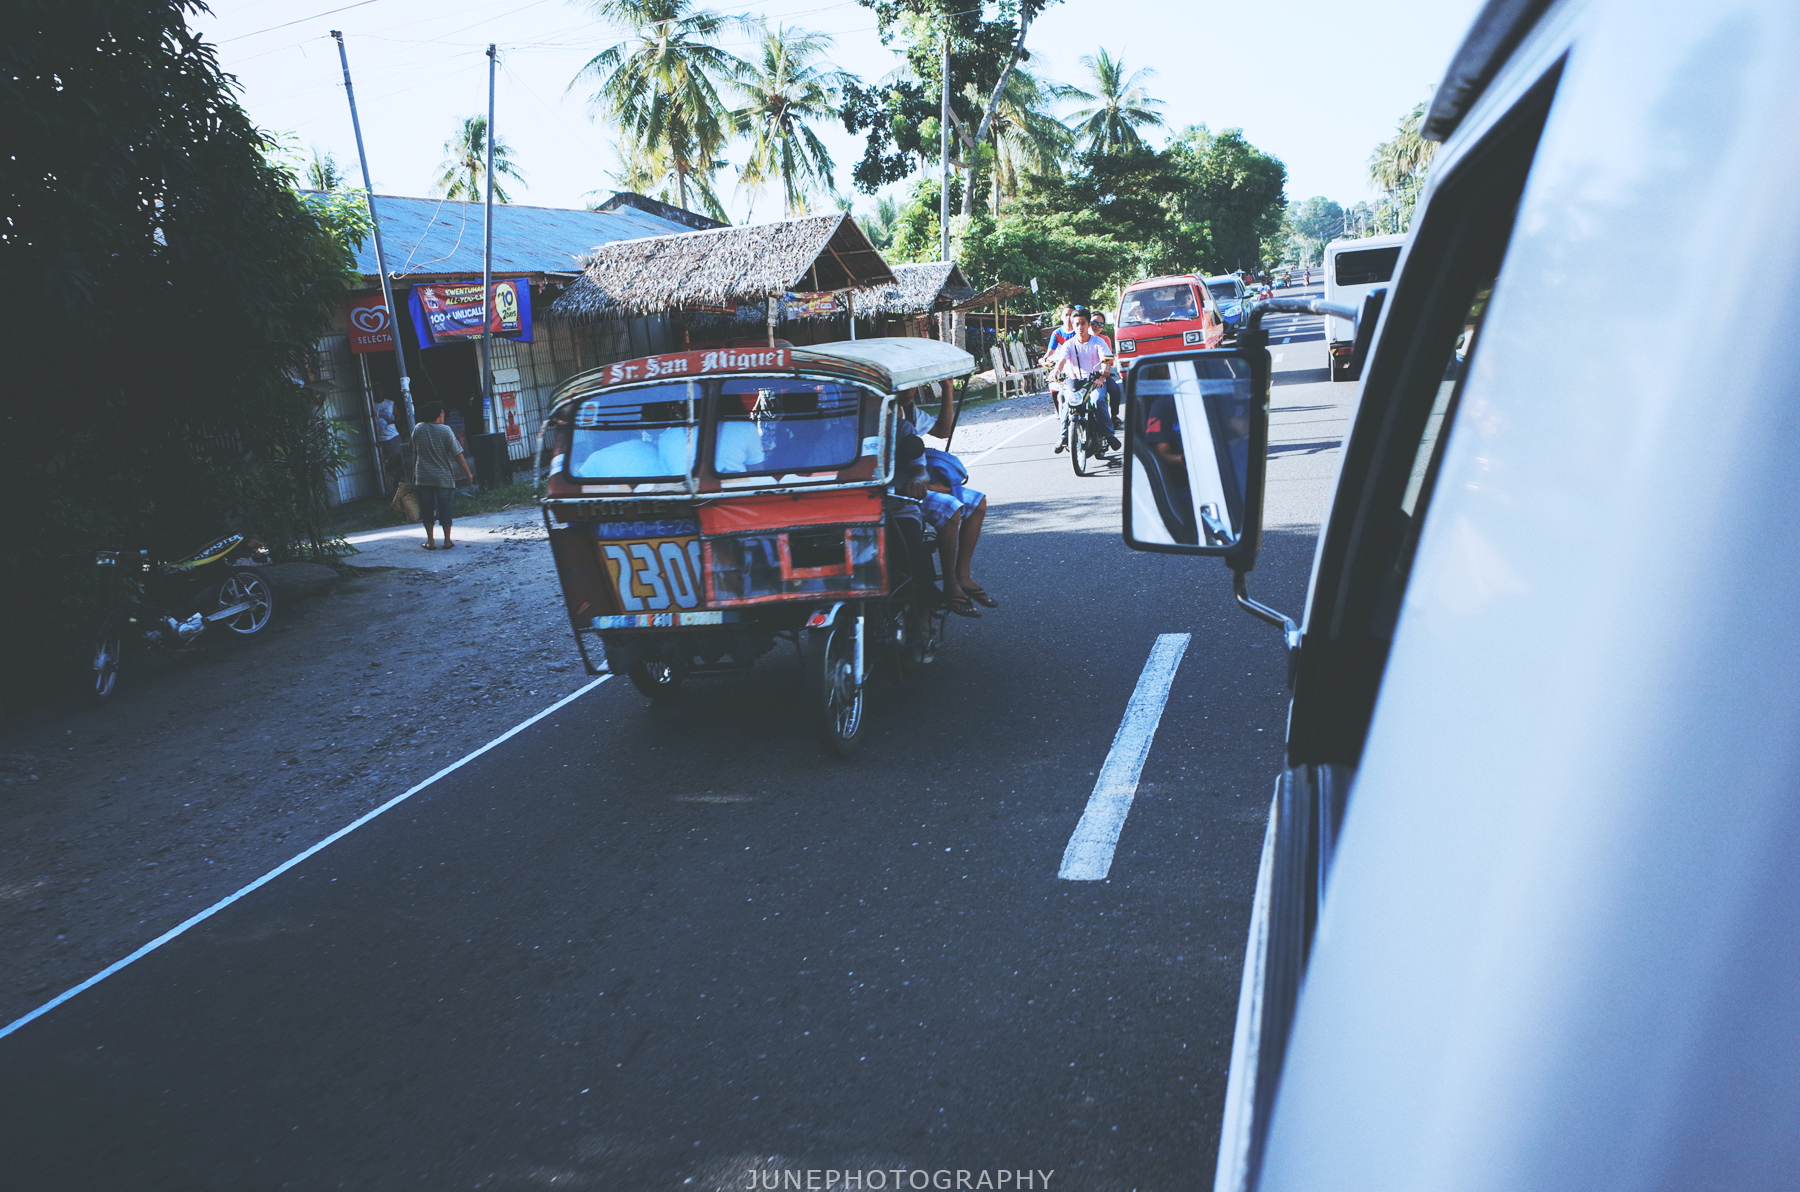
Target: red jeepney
<point>1167,314</point>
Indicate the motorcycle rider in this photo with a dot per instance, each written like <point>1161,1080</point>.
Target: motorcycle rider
<point>1083,354</point>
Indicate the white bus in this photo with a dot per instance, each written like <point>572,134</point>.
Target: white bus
<point>1352,269</point>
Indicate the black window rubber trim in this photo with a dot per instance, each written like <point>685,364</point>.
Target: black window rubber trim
<point>1498,29</point>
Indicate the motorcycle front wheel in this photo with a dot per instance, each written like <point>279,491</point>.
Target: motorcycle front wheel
<point>1078,453</point>
<point>247,587</point>
<point>109,649</point>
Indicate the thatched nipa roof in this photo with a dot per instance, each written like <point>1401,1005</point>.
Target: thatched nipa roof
<point>725,265</point>
<point>991,295</point>
<point>916,290</point>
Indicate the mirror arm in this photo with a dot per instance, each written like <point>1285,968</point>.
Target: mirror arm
<point>1253,335</point>
<point>1290,632</point>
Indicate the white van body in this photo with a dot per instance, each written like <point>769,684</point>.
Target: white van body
<point>1353,268</point>
<point>1559,947</point>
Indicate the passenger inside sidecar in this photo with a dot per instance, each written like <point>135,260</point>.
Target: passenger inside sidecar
<point>642,433</point>
<point>776,426</point>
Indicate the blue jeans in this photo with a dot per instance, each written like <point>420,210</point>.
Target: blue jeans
<point>1098,400</point>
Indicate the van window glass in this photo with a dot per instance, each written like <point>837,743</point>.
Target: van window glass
<point>636,434</point>
<point>1430,449</point>
<point>1223,289</point>
<point>786,424</point>
<point>1366,266</point>
<point>1159,304</point>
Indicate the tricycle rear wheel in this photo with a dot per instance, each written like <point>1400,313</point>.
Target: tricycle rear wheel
<point>657,679</point>
<point>833,696</point>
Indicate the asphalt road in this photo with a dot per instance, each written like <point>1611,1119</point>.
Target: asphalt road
<point>640,947</point>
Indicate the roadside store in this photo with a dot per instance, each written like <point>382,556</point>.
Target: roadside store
<point>434,261</point>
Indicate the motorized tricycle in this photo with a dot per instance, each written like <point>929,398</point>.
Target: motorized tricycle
<point>703,505</point>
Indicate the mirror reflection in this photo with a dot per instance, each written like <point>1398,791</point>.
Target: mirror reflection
<point>1191,450</point>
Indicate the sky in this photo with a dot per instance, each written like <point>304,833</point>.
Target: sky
<point>1317,84</point>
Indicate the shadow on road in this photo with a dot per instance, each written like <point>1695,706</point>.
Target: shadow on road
<point>1303,376</point>
<point>1313,447</point>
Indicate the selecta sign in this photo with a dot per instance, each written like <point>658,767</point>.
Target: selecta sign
<point>449,313</point>
<point>367,324</point>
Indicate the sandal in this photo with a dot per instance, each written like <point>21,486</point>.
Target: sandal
<point>975,593</point>
<point>962,606</point>
<point>429,545</point>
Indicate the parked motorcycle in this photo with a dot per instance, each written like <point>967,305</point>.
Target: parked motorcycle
<point>221,586</point>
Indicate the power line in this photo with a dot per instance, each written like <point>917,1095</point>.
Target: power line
<point>315,16</point>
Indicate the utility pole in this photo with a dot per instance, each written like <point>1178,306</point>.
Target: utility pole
<point>387,287</point>
<point>944,149</point>
<point>487,263</point>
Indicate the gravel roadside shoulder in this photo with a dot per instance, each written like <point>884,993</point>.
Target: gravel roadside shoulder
<point>208,770</point>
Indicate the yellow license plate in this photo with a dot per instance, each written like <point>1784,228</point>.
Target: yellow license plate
<point>654,574</point>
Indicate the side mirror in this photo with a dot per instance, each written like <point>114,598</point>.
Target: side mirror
<point>1196,440</point>
<point>1367,315</point>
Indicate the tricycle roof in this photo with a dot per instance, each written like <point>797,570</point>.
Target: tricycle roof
<point>890,364</point>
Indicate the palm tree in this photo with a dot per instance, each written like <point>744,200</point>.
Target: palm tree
<point>662,89</point>
<point>651,172</point>
<point>1398,166</point>
<point>881,224</point>
<point>1025,136</point>
<point>322,171</point>
<point>784,89</point>
<point>466,161</point>
<point>1121,105</point>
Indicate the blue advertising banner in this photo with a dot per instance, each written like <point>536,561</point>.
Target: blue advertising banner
<point>447,313</point>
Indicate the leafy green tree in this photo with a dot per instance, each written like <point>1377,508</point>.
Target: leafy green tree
<point>1231,199</point>
<point>1317,218</point>
<point>1121,105</point>
<point>916,227</point>
<point>179,283</point>
<point>1314,223</point>
<point>899,118</point>
<point>662,89</point>
<point>1070,262</point>
<point>788,86</point>
<point>465,164</point>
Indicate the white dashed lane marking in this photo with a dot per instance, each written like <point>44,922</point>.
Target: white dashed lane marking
<point>1089,856</point>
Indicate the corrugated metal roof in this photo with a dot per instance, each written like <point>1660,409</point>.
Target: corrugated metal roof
<point>429,237</point>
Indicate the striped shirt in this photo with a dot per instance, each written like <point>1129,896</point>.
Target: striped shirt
<point>434,450</point>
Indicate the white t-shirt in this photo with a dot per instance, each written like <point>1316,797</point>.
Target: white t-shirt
<point>384,421</point>
<point>739,448</point>
<point>1082,359</point>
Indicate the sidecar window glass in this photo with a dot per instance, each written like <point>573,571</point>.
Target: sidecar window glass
<point>646,433</point>
<point>780,425</point>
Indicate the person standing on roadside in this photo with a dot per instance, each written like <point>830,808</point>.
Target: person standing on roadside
<point>434,449</point>
<point>387,439</point>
